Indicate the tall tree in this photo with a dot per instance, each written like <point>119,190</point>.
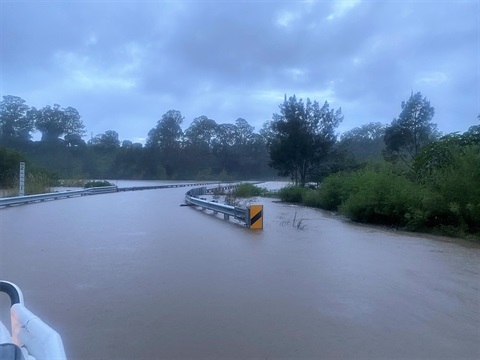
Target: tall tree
<point>197,152</point>
<point>168,132</point>
<point>164,141</point>
<point>440,153</point>
<point>244,132</point>
<point>74,140</point>
<point>301,136</point>
<point>14,122</point>
<point>127,144</point>
<point>56,122</point>
<point>364,141</point>
<point>412,130</point>
<point>201,133</point>
<point>223,144</point>
<point>108,140</point>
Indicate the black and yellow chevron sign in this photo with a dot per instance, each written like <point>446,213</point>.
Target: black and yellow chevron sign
<point>256,216</point>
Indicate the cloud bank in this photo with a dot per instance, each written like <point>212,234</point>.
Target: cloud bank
<point>123,64</point>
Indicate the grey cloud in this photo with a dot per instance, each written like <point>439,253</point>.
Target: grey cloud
<point>120,61</point>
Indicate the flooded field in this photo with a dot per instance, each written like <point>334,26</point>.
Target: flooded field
<point>135,275</point>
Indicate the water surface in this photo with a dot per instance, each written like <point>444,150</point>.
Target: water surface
<point>135,275</point>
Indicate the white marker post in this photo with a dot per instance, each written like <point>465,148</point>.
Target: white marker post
<point>21,190</point>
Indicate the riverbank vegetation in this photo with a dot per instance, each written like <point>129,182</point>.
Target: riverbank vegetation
<point>439,194</point>
<point>37,180</point>
<point>415,179</point>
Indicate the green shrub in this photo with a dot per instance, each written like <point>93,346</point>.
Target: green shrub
<point>334,190</point>
<point>72,182</point>
<point>311,198</point>
<point>379,195</point>
<point>248,190</point>
<point>97,183</point>
<point>292,194</point>
<point>445,200</point>
<point>9,166</point>
<point>458,186</point>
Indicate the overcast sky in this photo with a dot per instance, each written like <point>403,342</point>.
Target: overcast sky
<point>123,64</point>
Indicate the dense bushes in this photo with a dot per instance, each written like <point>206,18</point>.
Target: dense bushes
<point>458,186</point>
<point>248,190</point>
<point>9,166</point>
<point>97,183</point>
<point>37,180</point>
<point>447,201</point>
<point>293,194</point>
<point>333,192</point>
<point>379,195</point>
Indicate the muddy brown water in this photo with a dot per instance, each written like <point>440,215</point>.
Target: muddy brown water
<point>135,276</point>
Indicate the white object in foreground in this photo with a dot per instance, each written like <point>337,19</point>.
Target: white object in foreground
<point>30,338</point>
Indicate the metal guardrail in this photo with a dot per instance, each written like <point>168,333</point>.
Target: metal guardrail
<point>191,198</point>
<point>101,190</point>
<point>239,213</point>
<point>28,199</point>
<point>167,186</point>
<point>212,190</point>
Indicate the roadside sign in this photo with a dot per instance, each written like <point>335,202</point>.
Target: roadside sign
<point>256,216</point>
<point>21,190</point>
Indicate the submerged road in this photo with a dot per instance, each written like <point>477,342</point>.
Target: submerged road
<point>136,276</point>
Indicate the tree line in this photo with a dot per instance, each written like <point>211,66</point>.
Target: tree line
<point>205,150</point>
<point>299,142</point>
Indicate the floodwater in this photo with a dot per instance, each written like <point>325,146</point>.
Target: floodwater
<point>136,276</point>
